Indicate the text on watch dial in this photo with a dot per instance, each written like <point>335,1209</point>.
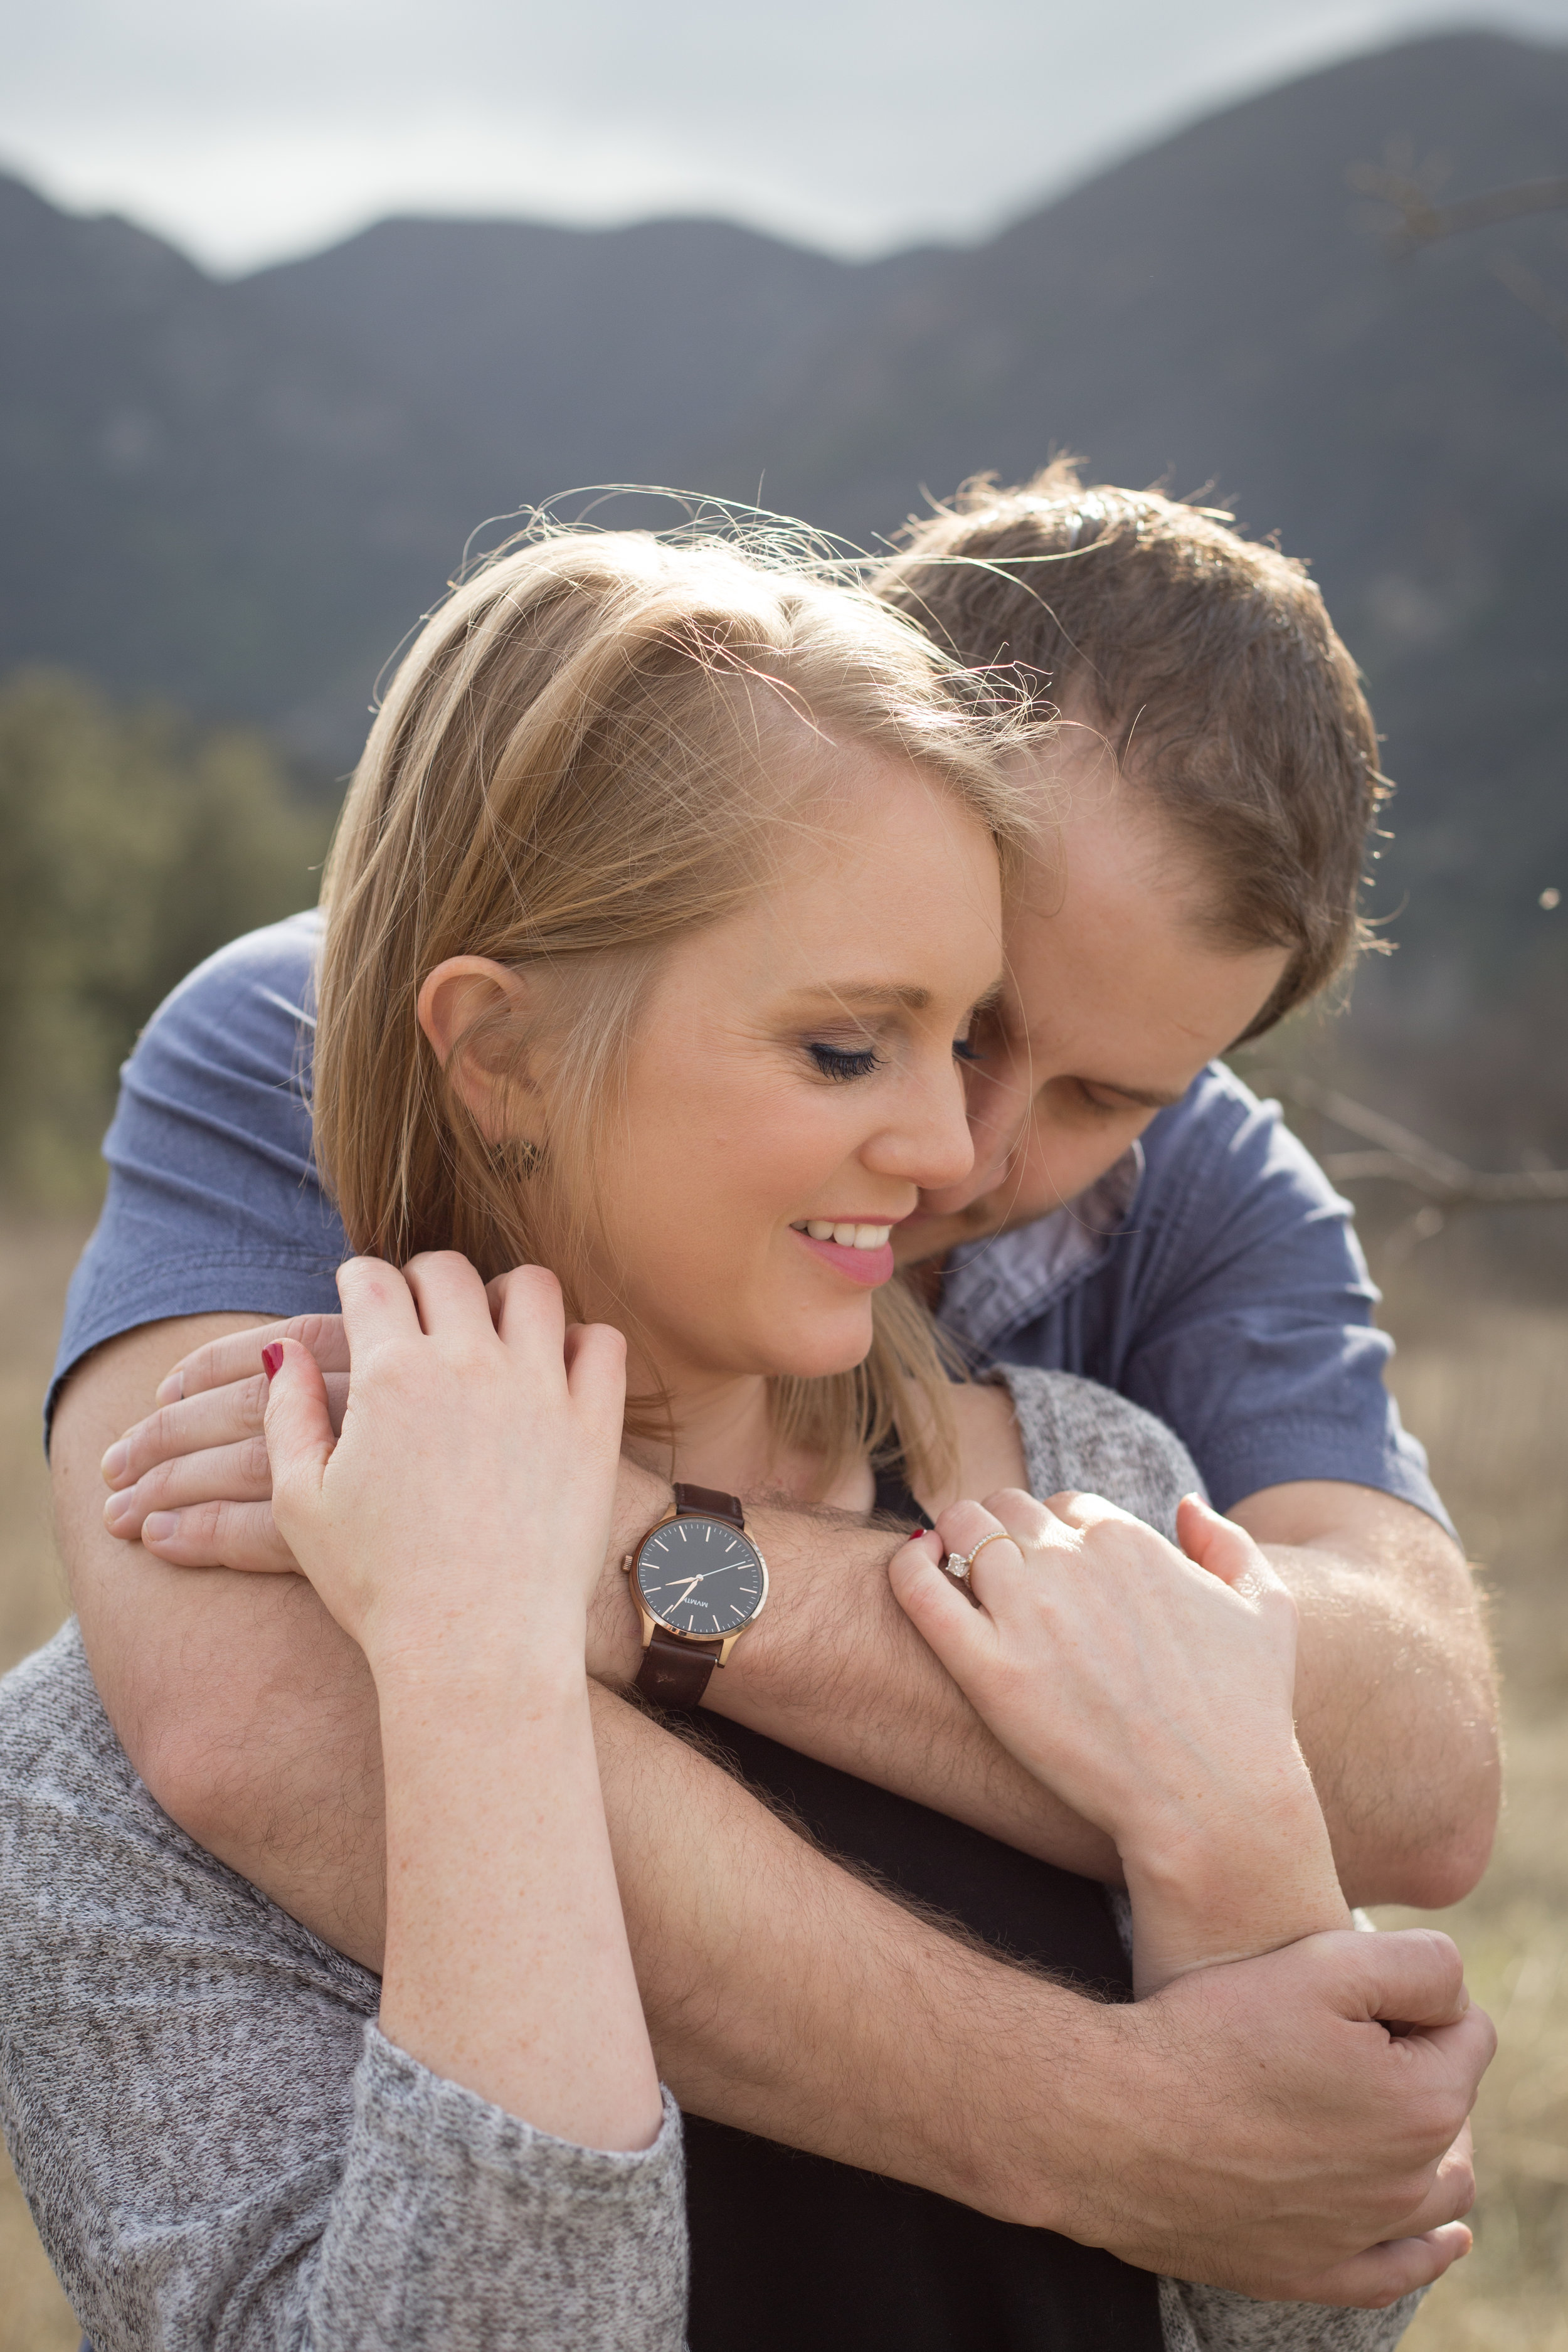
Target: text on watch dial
<point>699,1577</point>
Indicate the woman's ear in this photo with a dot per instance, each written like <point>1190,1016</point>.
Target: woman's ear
<point>476,1014</point>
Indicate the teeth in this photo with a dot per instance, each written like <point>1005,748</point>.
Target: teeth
<point>818,1231</point>
<point>848,1237</point>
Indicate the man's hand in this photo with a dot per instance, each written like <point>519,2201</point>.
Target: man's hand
<point>1197,2133</point>
<point>1334,2085</point>
<point>1396,1708</point>
<point>191,1481</point>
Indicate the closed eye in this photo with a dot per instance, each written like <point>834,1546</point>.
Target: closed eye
<point>841,1062</point>
<point>963,1051</point>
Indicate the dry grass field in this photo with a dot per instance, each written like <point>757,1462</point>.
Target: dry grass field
<point>1486,1384</point>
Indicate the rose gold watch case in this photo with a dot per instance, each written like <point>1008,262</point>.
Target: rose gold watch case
<point>679,1633</point>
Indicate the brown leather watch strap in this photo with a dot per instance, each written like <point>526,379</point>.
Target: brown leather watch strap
<point>708,1504</point>
<point>677,1672</point>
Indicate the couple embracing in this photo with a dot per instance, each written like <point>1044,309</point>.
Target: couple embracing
<point>561,1820</point>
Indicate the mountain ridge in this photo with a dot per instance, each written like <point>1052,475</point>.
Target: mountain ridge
<point>242,492</point>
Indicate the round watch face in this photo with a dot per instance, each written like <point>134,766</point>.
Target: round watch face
<point>701,1577</point>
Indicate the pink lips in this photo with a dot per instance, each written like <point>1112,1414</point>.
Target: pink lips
<point>870,1268</point>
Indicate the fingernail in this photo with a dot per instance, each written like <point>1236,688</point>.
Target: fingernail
<point>272,1359</point>
<point>116,1508</point>
<point>170,1389</point>
<point>113,1465</point>
<point>160,1526</point>
<point>916,1533</point>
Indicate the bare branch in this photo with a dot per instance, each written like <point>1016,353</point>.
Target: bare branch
<point>1402,1158</point>
<point>1424,222</point>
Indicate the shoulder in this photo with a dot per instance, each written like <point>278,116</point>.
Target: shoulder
<point>1227,1147</point>
<point>1078,1435</point>
<point>254,994</point>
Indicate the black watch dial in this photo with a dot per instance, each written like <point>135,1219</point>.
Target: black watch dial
<point>698,1576</point>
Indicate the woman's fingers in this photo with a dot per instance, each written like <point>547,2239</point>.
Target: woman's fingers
<point>448,1295</point>
<point>531,1314</point>
<point>958,1631</point>
<point>595,1356</point>
<point>1220,1547</point>
<point>299,1427</point>
<point>378,1306</point>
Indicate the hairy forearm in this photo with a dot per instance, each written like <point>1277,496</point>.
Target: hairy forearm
<point>1398,1722</point>
<point>1396,1693</point>
<point>835,1669</point>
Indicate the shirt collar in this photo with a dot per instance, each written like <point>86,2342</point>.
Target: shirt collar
<point>993,1287</point>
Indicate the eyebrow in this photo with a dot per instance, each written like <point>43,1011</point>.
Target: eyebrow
<point>863,996</point>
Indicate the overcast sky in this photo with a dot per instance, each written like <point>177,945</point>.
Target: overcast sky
<point>252,129</point>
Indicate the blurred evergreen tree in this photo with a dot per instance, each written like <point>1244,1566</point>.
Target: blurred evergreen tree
<point>132,845</point>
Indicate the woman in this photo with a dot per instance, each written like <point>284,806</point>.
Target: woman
<point>666,892</point>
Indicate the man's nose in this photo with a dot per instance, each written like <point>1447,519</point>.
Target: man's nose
<point>998,1098</point>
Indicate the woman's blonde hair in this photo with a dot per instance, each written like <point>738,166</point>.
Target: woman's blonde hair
<point>590,750</point>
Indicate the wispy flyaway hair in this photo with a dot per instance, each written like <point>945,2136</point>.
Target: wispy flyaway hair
<point>597,745</point>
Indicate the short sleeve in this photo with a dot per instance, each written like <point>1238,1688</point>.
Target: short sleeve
<point>1253,1337</point>
<point>214,1202</point>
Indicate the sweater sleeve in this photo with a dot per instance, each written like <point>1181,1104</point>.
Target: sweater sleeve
<point>1078,1435</point>
<point>218,2145</point>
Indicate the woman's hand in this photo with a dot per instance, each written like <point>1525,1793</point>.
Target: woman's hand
<point>455,1529</point>
<point>462,1515</point>
<point>1152,1689</point>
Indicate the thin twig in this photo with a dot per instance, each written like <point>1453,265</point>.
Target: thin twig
<point>1402,1158</point>
<point>1422,222</point>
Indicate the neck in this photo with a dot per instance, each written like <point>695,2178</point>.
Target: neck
<point>723,1429</point>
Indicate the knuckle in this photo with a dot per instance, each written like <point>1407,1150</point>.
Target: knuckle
<point>255,1464</point>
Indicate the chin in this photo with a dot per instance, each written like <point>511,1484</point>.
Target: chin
<point>820,1354</point>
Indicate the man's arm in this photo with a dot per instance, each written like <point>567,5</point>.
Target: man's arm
<point>1396,1693</point>
<point>785,1996</point>
<point>835,1669</point>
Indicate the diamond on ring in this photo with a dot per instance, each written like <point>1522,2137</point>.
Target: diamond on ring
<point>957,1565</point>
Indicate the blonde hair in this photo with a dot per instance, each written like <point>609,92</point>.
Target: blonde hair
<point>577,763</point>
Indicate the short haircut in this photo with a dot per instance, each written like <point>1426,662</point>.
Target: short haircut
<point>1209,657</point>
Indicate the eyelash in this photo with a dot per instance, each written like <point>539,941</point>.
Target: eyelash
<point>837,1062</point>
<point>1093,1103</point>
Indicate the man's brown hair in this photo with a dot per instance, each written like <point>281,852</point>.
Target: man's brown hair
<point>1209,657</point>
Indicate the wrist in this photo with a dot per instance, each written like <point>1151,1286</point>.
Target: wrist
<point>1230,1883</point>
<point>614,1634</point>
<point>480,1666</point>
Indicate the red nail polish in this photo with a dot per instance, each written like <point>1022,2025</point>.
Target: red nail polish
<point>272,1359</point>
<point>915,1532</point>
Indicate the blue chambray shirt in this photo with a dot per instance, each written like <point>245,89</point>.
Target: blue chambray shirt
<point>1213,1276</point>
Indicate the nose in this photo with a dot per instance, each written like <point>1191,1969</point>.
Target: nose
<point>999,1091</point>
<point>928,1142</point>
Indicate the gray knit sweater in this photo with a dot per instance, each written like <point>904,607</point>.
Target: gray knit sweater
<point>219,2148</point>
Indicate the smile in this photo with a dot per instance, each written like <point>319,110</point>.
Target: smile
<point>866,1237</point>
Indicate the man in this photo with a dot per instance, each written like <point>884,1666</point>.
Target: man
<point>780,1991</point>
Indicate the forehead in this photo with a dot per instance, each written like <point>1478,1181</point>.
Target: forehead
<point>1107,944</point>
<point>880,884</point>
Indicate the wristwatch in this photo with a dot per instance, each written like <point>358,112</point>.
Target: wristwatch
<point>699,1581</point>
